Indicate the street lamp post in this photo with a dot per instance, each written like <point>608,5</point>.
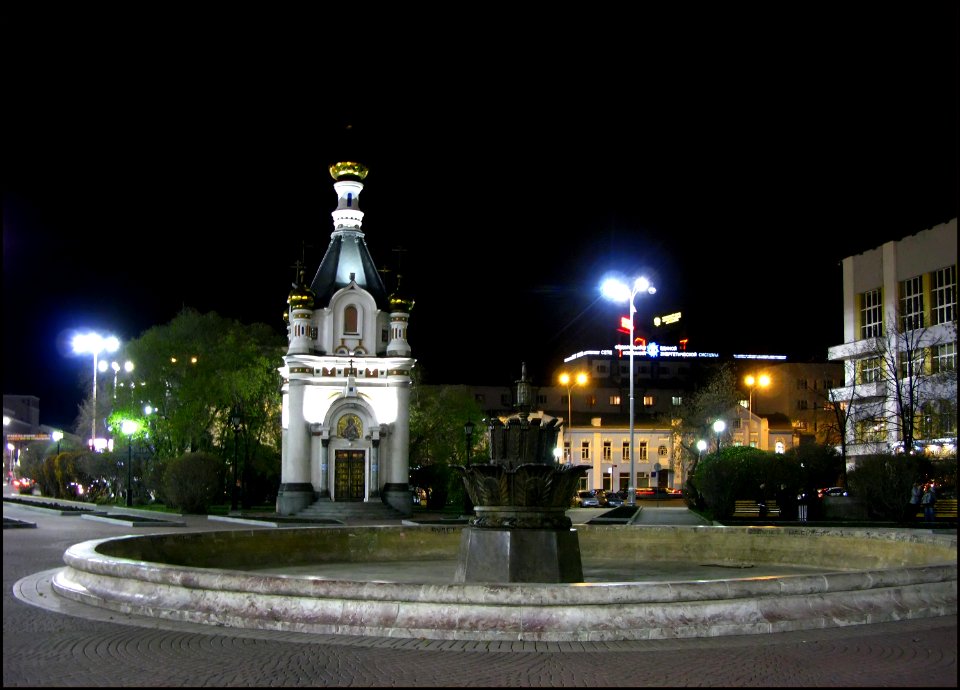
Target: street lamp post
<point>617,291</point>
<point>468,435</point>
<point>129,428</point>
<point>127,367</point>
<point>752,382</point>
<point>566,380</point>
<point>235,423</point>
<point>57,436</point>
<point>94,344</point>
<point>718,427</point>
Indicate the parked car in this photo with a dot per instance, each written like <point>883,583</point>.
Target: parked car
<point>591,499</point>
<point>652,492</point>
<point>832,491</point>
<point>615,499</point>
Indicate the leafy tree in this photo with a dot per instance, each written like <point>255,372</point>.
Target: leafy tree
<point>694,419</point>
<point>196,371</point>
<point>437,440</point>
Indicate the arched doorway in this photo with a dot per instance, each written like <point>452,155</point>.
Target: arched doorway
<point>349,474</point>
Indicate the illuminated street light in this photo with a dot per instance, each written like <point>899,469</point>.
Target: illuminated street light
<point>94,344</point>
<point>127,367</point>
<point>718,427</point>
<point>129,427</point>
<point>569,381</point>
<point>57,436</point>
<point>617,291</point>
<point>752,382</point>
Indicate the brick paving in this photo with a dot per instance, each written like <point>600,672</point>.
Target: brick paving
<point>62,643</point>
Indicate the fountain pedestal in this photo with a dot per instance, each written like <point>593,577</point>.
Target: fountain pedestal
<point>521,532</point>
<point>519,555</point>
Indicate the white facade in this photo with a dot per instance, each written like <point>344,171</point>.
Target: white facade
<point>899,297</point>
<point>346,375</point>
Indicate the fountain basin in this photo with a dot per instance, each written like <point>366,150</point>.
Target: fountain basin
<point>861,576</point>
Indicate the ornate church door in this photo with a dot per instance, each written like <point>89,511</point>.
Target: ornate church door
<point>349,475</point>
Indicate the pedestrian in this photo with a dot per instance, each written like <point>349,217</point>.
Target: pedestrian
<point>916,491</point>
<point>929,501</point>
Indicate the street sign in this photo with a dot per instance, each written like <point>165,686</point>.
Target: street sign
<point>29,437</point>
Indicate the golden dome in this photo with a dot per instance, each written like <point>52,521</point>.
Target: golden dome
<point>348,169</point>
<point>400,304</point>
<point>301,297</point>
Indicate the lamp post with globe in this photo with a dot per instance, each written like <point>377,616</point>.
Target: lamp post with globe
<point>618,291</point>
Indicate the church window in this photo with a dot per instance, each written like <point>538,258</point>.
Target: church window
<point>350,320</point>
<point>349,199</point>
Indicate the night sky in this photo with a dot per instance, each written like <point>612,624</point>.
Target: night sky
<point>733,156</point>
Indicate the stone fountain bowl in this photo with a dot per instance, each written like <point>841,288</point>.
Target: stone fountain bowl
<point>275,579</point>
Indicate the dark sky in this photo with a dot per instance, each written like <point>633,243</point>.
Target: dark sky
<point>734,156</point>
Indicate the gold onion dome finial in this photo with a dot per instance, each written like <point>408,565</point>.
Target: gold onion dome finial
<point>399,303</point>
<point>300,297</point>
<point>350,170</point>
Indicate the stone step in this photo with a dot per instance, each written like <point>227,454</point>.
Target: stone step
<point>325,508</point>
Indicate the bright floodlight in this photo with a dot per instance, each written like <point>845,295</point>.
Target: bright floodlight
<point>94,343</point>
<point>56,435</point>
<point>615,290</point>
<point>701,445</point>
<point>129,427</point>
<point>719,426</point>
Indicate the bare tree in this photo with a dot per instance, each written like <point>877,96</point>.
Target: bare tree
<point>915,375</point>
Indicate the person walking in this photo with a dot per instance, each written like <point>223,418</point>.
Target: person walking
<point>929,501</point>
<point>916,492</point>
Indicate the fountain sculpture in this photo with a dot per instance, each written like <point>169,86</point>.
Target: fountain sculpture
<point>521,532</point>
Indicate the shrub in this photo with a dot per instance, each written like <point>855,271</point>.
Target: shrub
<point>883,482</point>
<point>193,482</point>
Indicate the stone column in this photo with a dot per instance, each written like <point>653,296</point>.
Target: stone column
<point>296,491</point>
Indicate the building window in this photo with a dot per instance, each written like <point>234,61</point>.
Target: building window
<point>870,369</point>
<point>607,452</point>
<point>642,451</point>
<point>615,400</point>
<point>676,401</point>
<point>591,401</point>
<point>506,400</point>
<point>906,372</point>
<point>801,404</point>
<point>602,369</point>
<point>871,315</point>
<point>911,304</point>
<point>661,451</point>
<point>584,450</point>
<point>800,424</point>
<point>625,453</point>
<point>943,358</point>
<point>938,419</point>
<point>648,400</point>
<point>943,294</point>
<point>566,451</point>
<point>801,384</point>
<point>350,320</point>
<point>870,430</point>
<point>541,399</point>
<point>480,398</point>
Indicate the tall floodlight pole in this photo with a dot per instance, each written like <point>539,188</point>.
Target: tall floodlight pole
<point>94,344</point>
<point>618,292</point>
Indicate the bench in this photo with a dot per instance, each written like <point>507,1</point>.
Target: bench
<point>944,509</point>
<point>750,509</point>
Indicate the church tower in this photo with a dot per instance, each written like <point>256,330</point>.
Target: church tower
<point>346,376</point>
